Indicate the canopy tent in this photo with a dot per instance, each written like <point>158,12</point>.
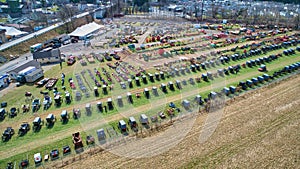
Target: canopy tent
<point>11,31</point>
<point>85,30</point>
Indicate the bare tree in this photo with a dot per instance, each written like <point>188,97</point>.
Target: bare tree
<point>65,13</point>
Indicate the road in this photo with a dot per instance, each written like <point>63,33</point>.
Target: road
<point>29,36</point>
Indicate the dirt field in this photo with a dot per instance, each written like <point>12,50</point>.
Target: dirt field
<point>257,130</point>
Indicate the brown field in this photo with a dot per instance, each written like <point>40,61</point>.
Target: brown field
<point>259,129</point>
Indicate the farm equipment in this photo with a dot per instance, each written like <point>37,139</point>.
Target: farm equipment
<point>37,158</point>
<point>164,88</point>
<point>50,120</point>
<point>3,104</point>
<point>77,141</point>
<point>162,115</point>
<point>54,154</point>
<point>120,101</point>
<point>122,126</point>
<point>24,128</point>
<point>132,122</point>
<point>199,100</point>
<point>24,164</point>
<point>101,135</point>
<point>212,95</point>
<point>25,108</point>
<point>249,83</point>
<point>96,92</point>
<point>2,114</point>
<point>47,102</point>
<point>64,116</point>
<point>144,119</point>
<point>110,104</point>
<point>186,104</point>
<point>36,103</point>
<point>88,109</point>
<point>90,140</point>
<point>129,97</point>
<point>51,83</point>
<point>66,150</point>
<point>171,85</point>
<point>7,134</point>
<point>10,165</point>
<point>262,68</point>
<point>232,89</point>
<point>76,113</point>
<point>57,100</point>
<point>100,107</point>
<point>71,60</point>
<point>37,124</point>
<point>42,82</point>
<point>13,112</point>
<point>243,85</point>
<point>68,98</point>
<point>146,92</point>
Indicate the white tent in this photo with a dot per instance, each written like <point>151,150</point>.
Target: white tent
<point>85,30</point>
<point>11,31</point>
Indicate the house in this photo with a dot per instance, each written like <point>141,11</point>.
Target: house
<point>48,55</point>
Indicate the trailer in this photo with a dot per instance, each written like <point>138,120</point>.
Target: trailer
<point>30,74</point>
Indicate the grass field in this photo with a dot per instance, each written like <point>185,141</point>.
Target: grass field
<point>60,134</point>
<point>59,127</point>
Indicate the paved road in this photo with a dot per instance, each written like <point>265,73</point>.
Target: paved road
<point>29,36</point>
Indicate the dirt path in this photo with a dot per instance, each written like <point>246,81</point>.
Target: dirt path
<point>261,134</point>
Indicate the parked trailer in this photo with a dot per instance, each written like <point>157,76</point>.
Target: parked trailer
<point>30,74</point>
